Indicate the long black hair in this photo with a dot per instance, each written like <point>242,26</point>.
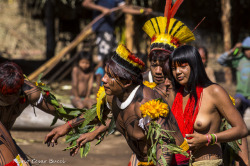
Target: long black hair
<point>198,76</point>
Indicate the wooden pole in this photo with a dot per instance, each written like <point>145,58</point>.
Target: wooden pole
<point>50,64</point>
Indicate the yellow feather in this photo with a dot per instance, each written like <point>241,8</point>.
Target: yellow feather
<point>162,22</point>
<point>99,103</point>
<point>123,52</point>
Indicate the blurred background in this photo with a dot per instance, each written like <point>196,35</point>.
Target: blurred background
<point>32,32</point>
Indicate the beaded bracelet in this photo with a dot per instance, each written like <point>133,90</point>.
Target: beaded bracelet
<point>213,141</point>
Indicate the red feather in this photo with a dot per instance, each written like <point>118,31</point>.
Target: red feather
<point>175,7</point>
<point>167,7</point>
<point>167,12</point>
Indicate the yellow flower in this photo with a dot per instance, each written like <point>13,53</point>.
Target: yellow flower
<point>40,84</point>
<point>233,100</point>
<point>154,109</point>
<point>151,163</point>
<point>150,84</point>
<point>100,96</point>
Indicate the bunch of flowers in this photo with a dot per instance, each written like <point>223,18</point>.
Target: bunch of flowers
<point>151,85</point>
<point>151,111</point>
<point>154,109</point>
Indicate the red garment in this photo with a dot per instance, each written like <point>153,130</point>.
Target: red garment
<point>12,163</point>
<point>186,118</point>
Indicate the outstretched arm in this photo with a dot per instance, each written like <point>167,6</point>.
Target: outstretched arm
<point>89,137</point>
<point>91,5</point>
<point>135,10</point>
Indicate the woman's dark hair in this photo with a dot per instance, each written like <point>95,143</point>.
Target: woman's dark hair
<point>11,78</point>
<point>160,55</point>
<point>198,76</point>
<point>123,74</point>
<point>85,55</point>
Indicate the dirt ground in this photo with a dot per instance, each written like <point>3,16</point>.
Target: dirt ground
<point>113,151</point>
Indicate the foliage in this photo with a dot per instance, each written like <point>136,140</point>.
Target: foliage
<point>158,136</point>
<point>67,114</point>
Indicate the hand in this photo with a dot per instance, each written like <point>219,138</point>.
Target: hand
<point>237,45</point>
<point>82,140</point>
<point>148,11</point>
<point>57,132</point>
<point>106,11</point>
<point>197,141</point>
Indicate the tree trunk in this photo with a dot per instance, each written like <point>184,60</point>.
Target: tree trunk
<point>225,21</point>
<point>50,29</point>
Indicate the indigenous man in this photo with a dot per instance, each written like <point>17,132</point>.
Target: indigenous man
<point>123,80</point>
<point>16,94</point>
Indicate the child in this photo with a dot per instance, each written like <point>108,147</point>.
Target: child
<point>82,81</point>
<point>99,73</point>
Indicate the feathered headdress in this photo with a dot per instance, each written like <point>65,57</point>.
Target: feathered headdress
<point>127,60</point>
<point>167,33</point>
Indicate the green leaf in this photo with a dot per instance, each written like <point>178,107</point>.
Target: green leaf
<point>81,151</point>
<point>89,116</point>
<point>73,138</point>
<point>61,111</point>
<point>111,126</point>
<point>149,131</point>
<point>86,149</point>
<point>164,162</point>
<point>54,120</point>
<point>239,141</point>
<point>70,147</point>
<point>234,146</point>
<point>74,113</point>
<point>39,78</point>
<point>45,88</point>
<point>100,139</point>
<point>54,102</point>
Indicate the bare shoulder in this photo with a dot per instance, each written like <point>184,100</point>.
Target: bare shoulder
<point>75,69</point>
<point>215,91</point>
<point>150,94</point>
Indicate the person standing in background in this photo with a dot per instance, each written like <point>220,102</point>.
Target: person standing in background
<point>204,57</point>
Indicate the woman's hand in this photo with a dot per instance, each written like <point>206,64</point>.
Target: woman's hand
<point>197,140</point>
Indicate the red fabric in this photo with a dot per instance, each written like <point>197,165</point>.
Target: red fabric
<point>12,163</point>
<point>186,118</point>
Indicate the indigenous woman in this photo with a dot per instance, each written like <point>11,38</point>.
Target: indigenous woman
<point>199,107</point>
